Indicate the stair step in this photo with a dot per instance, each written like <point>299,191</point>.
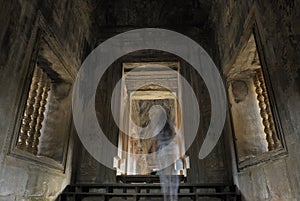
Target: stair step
<point>131,199</point>
<point>148,192</point>
<point>147,199</point>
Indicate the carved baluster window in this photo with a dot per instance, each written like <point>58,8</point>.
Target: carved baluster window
<point>265,111</point>
<point>256,129</point>
<point>33,117</point>
<point>43,119</point>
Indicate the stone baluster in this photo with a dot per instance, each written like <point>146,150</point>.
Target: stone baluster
<point>45,84</point>
<point>261,97</point>
<point>268,109</point>
<point>35,114</point>
<point>26,121</point>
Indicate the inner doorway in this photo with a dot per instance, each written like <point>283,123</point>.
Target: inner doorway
<point>162,88</point>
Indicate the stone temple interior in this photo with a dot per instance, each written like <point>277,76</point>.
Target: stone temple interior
<point>255,46</point>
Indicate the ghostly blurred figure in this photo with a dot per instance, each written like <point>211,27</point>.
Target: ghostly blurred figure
<point>167,153</point>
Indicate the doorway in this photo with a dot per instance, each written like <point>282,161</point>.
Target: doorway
<point>161,86</point>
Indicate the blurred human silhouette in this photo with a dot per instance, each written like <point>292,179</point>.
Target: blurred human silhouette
<point>167,150</point>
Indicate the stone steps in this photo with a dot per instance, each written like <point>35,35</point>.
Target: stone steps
<point>149,192</point>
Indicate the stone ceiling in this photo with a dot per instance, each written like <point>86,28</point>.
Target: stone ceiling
<point>151,13</point>
<point>189,17</point>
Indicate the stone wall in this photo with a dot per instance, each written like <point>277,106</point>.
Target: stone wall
<point>67,24</point>
<point>278,25</point>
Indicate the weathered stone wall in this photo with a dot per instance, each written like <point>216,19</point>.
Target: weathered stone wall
<point>278,23</point>
<point>69,23</point>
